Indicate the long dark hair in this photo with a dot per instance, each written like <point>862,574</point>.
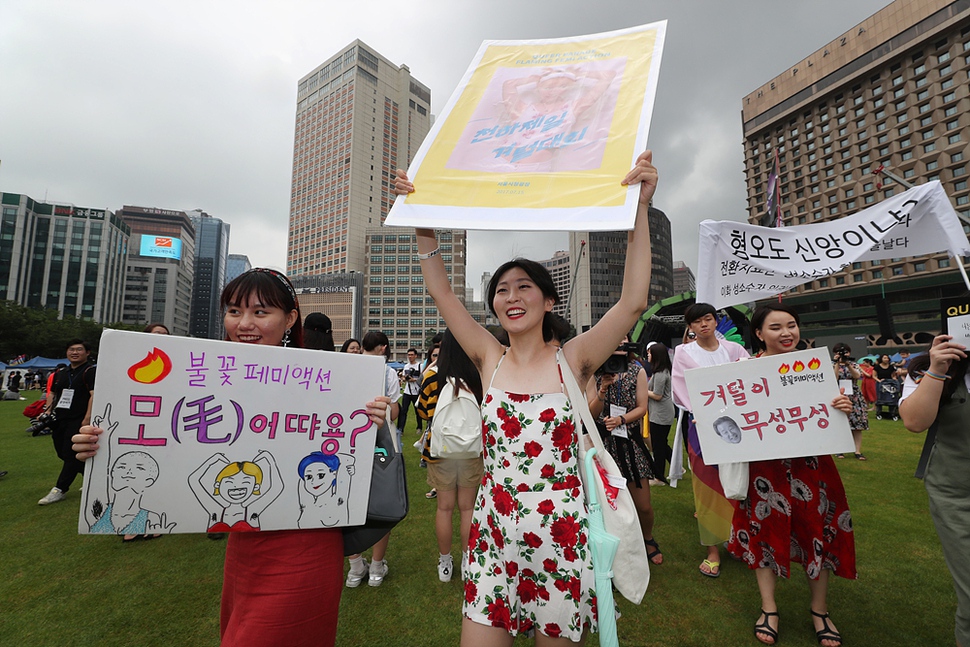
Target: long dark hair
<point>659,358</point>
<point>956,373</point>
<point>543,280</point>
<point>758,321</point>
<point>454,362</point>
<point>347,343</point>
<point>269,287</point>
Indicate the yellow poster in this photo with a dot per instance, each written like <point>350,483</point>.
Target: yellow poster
<point>538,136</point>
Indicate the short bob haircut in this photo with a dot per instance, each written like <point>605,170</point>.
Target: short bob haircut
<point>698,311</point>
<point>758,320</point>
<point>543,280</point>
<point>269,287</point>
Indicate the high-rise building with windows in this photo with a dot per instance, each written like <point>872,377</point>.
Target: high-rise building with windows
<point>237,264</point>
<point>66,258</point>
<point>684,280</point>
<point>562,273</point>
<point>599,269</point>
<point>891,91</point>
<point>397,302</point>
<point>160,269</point>
<point>211,255</point>
<point>358,118</point>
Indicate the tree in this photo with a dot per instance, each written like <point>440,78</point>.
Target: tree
<point>38,331</point>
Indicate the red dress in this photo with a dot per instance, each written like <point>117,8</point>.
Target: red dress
<point>868,383</point>
<point>796,511</point>
<point>282,587</point>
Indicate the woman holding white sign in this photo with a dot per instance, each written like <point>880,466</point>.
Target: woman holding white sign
<point>281,587</point>
<point>935,397</point>
<point>530,567</point>
<point>795,511</point>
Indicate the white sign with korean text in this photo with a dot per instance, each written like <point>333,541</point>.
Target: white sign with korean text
<point>214,436</point>
<point>740,263</point>
<point>771,407</point>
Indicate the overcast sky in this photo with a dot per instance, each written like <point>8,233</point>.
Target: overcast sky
<point>184,105</point>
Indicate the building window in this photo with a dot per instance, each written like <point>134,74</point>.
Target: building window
<point>954,138</point>
<point>857,277</point>
<point>943,263</point>
<point>877,274</point>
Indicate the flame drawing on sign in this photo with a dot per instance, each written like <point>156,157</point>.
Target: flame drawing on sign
<point>151,370</point>
<point>798,367</point>
<point>784,368</point>
<point>814,363</point>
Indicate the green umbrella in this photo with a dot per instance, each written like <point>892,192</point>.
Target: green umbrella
<point>603,546</point>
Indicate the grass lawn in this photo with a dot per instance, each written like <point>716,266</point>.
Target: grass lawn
<point>61,589</point>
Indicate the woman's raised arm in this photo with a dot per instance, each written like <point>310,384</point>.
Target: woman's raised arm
<point>474,339</point>
<point>590,349</point>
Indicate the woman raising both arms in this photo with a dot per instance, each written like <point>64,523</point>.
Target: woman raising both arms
<point>529,569</point>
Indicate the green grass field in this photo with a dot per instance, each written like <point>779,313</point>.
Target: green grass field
<point>61,589</point>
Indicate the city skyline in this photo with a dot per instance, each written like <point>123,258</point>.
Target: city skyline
<point>218,131</point>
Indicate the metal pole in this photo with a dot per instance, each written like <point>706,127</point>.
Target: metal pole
<point>572,287</point>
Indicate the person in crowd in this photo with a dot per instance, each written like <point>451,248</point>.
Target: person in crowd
<point>70,401</point>
<point>529,568</point>
<point>411,375</point>
<point>782,520</point>
<point>868,388</point>
<point>847,369</point>
<point>935,396</point>
<point>885,369</point>
<point>318,332</point>
<point>713,510</point>
<point>427,400</point>
<point>351,346</point>
<point>157,328</point>
<point>902,366</point>
<point>281,587</point>
<point>376,343</point>
<point>660,408</point>
<point>453,480</point>
<point>619,401</point>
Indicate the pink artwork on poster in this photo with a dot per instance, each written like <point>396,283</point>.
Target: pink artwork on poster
<point>542,120</point>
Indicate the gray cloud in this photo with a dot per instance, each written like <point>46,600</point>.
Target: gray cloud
<point>191,104</point>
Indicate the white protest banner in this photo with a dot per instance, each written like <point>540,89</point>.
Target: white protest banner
<point>778,406</point>
<point>212,436</point>
<point>740,263</point>
<point>538,136</point>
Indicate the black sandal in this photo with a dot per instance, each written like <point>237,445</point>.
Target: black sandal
<point>652,543</point>
<point>826,632</point>
<point>765,629</point>
<point>861,457</point>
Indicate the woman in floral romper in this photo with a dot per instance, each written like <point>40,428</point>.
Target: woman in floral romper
<point>529,568</point>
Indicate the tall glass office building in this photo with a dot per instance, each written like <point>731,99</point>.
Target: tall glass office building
<point>211,255</point>
<point>70,259</point>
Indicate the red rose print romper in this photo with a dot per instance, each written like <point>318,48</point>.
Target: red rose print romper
<point>529,565</point>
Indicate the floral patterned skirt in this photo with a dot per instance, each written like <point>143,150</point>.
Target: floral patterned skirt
<point>796,511</point>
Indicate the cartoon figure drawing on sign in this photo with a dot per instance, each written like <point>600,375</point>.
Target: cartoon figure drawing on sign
<point>131,474</point>
<point>238,493</point>
<point>324,490</point>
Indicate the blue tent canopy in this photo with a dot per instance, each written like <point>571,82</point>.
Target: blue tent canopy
<point>44,363</point>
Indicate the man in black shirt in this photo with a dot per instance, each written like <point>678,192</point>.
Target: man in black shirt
<point>71,403</point>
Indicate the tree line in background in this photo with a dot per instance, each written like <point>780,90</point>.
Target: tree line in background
<point>38,331</point>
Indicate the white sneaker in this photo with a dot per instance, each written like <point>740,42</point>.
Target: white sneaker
<point>53,496</point>
<point>355,577</point>
<point>446,566</point>
<point>378,571</point>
